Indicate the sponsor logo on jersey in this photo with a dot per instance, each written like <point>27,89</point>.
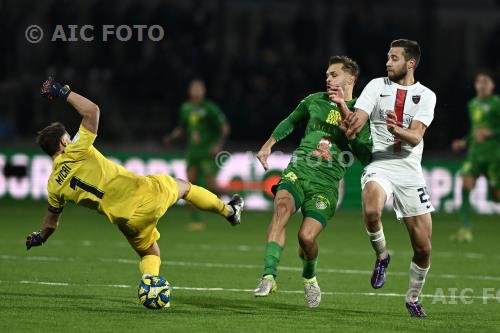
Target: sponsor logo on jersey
<point>291,177</point>
<point>415,99</point>
<point>193,119</point>
<point>370,175</point>
<point>333,117</point>
<point>365,177</point>
<point>323,149</point>
<point>322,202</point>
<point>407,119</point>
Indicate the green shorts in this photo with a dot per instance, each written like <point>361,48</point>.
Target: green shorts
<point>316,200</point>
<point>490,168</point>
<point>205,164</point>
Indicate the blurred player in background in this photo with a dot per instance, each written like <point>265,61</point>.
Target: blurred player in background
<point>483,143</point>
<point>81,174</point>
<point>399,109</point>
<point>206,129</point>
<point>311,180</point>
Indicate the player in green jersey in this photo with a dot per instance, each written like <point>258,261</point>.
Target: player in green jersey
<point>206,129</point>
<point>483,143</point>
<point>311,180</point>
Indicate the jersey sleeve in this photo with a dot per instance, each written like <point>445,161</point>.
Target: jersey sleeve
<point>468,136</point>
<point>425,113</point>
<point>80,144</point>
<point>218,115</point>
<point>495,119</point>
<point>362,145</point>
<point>56,204</point>
<point>183,118</point>
<point>368,98</point>
<point>297,116</point>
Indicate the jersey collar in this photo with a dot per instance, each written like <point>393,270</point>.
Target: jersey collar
<point>415,85</point>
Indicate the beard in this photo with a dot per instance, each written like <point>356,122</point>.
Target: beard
<point>397,76</point>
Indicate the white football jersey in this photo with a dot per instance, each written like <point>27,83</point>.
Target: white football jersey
<point>415,102</point>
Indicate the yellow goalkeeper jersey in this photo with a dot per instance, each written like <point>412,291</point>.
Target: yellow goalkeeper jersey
<point>81,174</point>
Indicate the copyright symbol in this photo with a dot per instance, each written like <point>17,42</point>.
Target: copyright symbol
<point>33,34</point>
<point>222,158</point>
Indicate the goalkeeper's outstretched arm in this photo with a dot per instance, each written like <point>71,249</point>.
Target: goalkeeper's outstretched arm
<point>49,225</point>
<point>85,107</point>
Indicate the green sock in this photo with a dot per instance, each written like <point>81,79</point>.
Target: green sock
<point>465,209</point>
<point>309,268</point>
<point>272,258</point>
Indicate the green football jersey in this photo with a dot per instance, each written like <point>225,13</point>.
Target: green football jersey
<point>324,151</point>
<point>202,124</point>
<point>485,113</point>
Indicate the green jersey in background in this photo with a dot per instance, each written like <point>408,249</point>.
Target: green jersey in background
<point>484,158</point>
<point>485,113</point>
<point>202,124</point>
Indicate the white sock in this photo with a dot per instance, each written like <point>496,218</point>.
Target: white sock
<point>417,280</point>
<point>231,210</point>
<point>378,243</point>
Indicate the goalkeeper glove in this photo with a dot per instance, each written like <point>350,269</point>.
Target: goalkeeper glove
<point>52,89</point>
<point>34,239</point>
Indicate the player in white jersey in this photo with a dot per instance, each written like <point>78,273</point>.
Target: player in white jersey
<point>399,109</point>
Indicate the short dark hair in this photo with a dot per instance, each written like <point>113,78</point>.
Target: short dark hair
<point>485,72</point>
<point>411,47</point>
<point>48,138</point>
<point>348,64</point>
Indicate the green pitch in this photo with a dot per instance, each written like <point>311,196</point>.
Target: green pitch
<point>85,278</point>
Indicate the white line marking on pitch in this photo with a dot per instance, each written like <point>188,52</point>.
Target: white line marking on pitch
<point>248,266</point>
<point>299,269</point>
<point>218,289</point>
<point>245,248</point>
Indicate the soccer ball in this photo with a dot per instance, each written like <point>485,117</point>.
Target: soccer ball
<point>154,292</point>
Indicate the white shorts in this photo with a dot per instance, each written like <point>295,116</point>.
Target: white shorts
<point>409,192</point>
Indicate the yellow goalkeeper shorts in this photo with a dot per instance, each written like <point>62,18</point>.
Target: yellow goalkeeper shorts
<point>160,193</point>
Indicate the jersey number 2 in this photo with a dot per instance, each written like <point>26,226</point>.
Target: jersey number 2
<point>77,182</point>
<point>424,196</point>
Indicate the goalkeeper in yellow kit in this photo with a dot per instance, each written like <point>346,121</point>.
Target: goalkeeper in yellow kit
<point>81,174</point>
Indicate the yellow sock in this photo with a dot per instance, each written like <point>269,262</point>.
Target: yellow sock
<point>205,200</point>
<point>150,264</point>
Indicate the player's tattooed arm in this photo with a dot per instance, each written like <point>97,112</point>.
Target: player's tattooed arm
<point>412,135</point>
<point>49,225</point>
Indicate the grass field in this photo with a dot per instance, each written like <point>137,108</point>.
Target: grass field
<point>85,278</point>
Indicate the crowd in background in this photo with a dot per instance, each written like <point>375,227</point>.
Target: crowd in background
<point>258,62</point>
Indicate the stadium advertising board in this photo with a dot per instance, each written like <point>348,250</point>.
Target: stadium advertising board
<point>24,177</point>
